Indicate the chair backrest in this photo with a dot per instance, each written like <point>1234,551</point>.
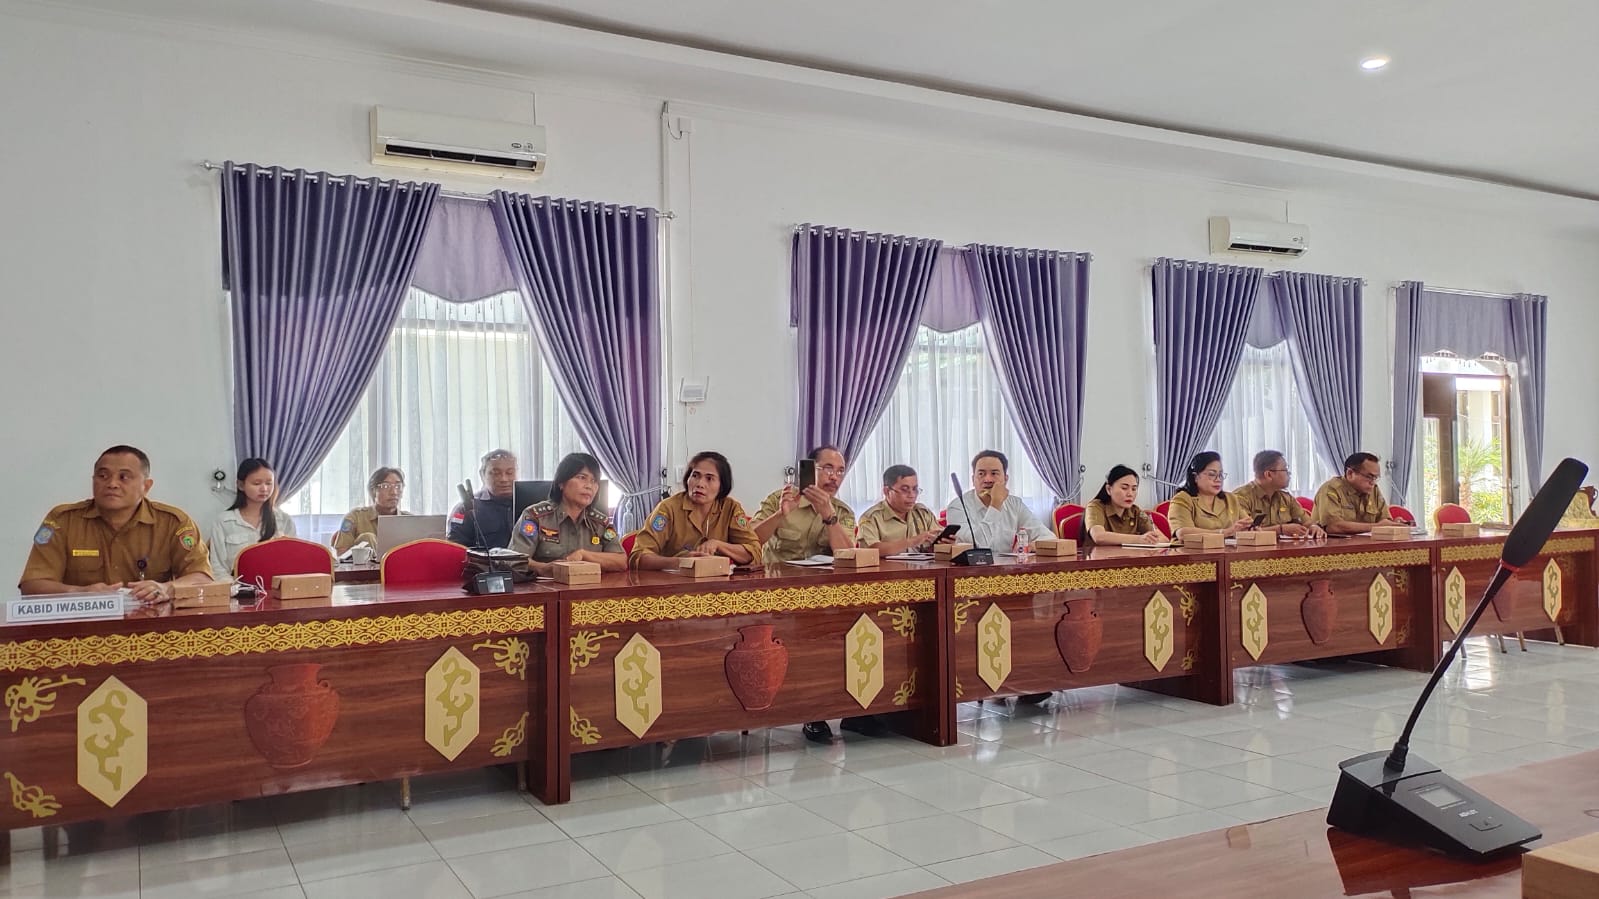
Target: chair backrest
<point>1071,527</point>
<point>1164,508</point>
<point>1306,503</point>
<point>281,555</point>
<point>1400,513</point>
<point>1450,513</point>
<point>1065,511</point>
<point>943,518</point>
<point>628,539</point>
<point>426,561</point>
<point>1162,523</point>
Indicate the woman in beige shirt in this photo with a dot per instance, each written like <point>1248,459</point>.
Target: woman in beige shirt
<point>1202,506</point>
<point>1112,517</point>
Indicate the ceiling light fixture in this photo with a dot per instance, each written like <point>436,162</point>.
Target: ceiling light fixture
<point>1374,63</point>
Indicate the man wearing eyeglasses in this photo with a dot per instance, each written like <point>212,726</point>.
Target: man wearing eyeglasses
<point>1268,495</point>
<point>488,522</point>
<point>1353,504</point>
<point>797,524</point>
<point>900,522</point>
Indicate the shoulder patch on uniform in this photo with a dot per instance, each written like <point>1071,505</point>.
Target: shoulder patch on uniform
<point>44,534</point>
<point>529,527</point>
<point>348,526</point>
<point>610,533</point>
<point>188,540</point>
<point>658,523</point>
<point>458,515</point>
<point>741,520</point>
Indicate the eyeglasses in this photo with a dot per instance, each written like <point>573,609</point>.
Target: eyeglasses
<point>1364,475</point>
<point>831,470</point>
<point>908,491</point>
<point>391,486</point>
<point>1277,471</point>
<point>1214,475</point>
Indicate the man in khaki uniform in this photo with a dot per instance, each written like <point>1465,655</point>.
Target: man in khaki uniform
<point>1268,495</point>
<point>791,524</point>
<point>119,538</point>
<point>1353,504</point>
<point>385,488</point>
<point>899,522</point>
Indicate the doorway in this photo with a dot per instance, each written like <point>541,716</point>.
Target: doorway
<point>1465,429</point>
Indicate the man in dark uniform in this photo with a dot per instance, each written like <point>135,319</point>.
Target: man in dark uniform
<point>119,538</point>
<point>488,522</point>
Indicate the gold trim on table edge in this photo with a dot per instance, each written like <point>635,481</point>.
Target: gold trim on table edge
<point>211,642</point>
<point>624,609</point>
<point>1259,568</point>
<point>1091,579</point>
<point>1477,552</point>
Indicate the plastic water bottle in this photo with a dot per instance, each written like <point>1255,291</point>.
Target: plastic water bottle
<point>1020,545</point>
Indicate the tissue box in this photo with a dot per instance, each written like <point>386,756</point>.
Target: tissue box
<point>1204,540</point>
<point>1256,538</point>
<point>1461,529</point>
<point>705,566</point>
<point>302,586</point>
<point>576,572</point>
<point>1387,532</point>
<point>1052,547</point>
<point>855,558</point>
<point>947,551</point>
<point>1562,871</point>
<point>201,594</point>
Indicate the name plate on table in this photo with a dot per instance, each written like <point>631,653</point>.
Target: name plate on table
<point>70,607</point>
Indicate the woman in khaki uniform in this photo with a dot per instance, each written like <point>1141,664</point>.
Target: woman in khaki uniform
<point>1112,517</point>
<point>1202,506</point>
<point>701,521</point>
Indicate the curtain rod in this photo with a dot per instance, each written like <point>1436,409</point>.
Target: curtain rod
<point>958,248</point>
<point>1425,285</point>
<point>210,166</point>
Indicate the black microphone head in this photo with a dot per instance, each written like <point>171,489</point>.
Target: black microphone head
<point>956,480</point>
<point>466,494</point>
<point>1543,513</point>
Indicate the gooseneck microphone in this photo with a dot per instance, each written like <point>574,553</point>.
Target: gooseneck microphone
<point>1399,796</point>
<point>977,555</point>
<point>469,507</point>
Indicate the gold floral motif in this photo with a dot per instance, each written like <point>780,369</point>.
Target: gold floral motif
<point>1093,579</point>
<point>1187,603</point>
<point>31,697</point>
<point>902,619</point>
<point>1380,608</point>
<point>113,741</point>
<point>960,612</point>
<point>206,643</point>
<point>1471,552</point>
<point>1279,567</point>
<point>1568,545</point>
<point>637,682</point>
<point>1190,659</point>
<point>993,647</point>
<point>583,730</point>
<point>903,695</point>
<point>1158,643</point>
<point>863,661</point>
<point>958,691</point>
<point>1455,600</point>
<point>1553,579</point>
<point>1254,631</point>
<point>1402,636</point>
<point>750,602</point>
<point>451,692</point>
<point>511,739</point>
<point>586,647</point>
<point>1401,579</point>
<point>32,800</point>
<point>510,655</point>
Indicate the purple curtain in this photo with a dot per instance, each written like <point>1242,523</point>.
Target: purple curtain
<point>1202,313</point>
<point>461,260</point>
<point>1408,326</point>
<point>1321,318</point>
<point>1034,308</point>
<point>588,273</point>
<point>952,295</point>
<point>856,300</point>
<point>316,267</point>
<point>1528,335</point>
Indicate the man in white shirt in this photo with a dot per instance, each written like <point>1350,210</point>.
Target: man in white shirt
<point>996,514</point>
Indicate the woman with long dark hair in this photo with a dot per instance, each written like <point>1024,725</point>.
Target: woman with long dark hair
<point>252,518</point>
<point>1112,517</point>
<point>1202,506</point>
<point>703,520</point>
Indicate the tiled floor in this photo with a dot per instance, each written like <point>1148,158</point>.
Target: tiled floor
<point>770,815</point>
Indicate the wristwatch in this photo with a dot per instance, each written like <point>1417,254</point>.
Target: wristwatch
<point>830,521</point>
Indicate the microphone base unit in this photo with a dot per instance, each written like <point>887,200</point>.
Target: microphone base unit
<point>1419,804</point>
<point>489,583</point>
<point>974,556</point>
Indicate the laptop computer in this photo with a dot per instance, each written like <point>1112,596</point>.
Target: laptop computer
<point>394,530</point>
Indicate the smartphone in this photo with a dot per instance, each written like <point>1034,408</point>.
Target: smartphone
<point>948,531</point>
<point>807,473</point>
<point>1255,522</point>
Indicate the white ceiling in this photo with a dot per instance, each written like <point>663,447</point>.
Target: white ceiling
<point>1495,91</point>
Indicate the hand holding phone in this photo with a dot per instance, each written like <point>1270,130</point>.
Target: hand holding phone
<point>807,473</point>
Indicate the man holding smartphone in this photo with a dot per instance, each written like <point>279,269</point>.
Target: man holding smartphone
<point>899,523</point>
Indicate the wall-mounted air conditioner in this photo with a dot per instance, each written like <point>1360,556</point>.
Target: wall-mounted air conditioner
<point>1230,235</point>
<point>444,143</point>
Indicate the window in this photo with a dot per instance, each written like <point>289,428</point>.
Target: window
<point>947,406</point>
<point>1465,436</point>
<point>1264,411</point>
<point>456,380</point>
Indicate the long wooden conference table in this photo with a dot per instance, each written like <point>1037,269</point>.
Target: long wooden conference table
<point>169,708</point>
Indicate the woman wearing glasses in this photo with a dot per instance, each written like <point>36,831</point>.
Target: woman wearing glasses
<point>572,523</point>
<point>385,487</point>
<point>900,522</point>
<point>1201,506</point>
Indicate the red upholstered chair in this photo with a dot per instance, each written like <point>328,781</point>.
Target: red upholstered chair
<point>1306,503</point>
<point>1071,528</point>
<point>1162,523</point>
<point>425,561</point>
<point>943,518</point>
<point>1065,511</point>
<point>1400,513</point>
<point>1164,508</point>
<point>281,555</point>
<point>628,540</point>
<point>1449,513</point>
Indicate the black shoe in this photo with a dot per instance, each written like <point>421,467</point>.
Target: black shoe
<point>1034,698</point>
<point>866,726</point>
<point>818,732</point>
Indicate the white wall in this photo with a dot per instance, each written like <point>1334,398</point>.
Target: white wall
<point>116,330</point>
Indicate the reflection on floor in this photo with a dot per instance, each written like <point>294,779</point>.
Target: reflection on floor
<point>769,815</point>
